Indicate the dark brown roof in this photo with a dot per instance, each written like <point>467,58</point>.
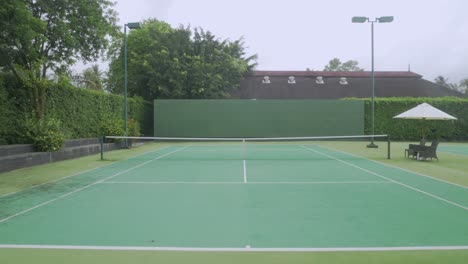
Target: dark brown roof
<point>336,73</point>
<point>387,84</point>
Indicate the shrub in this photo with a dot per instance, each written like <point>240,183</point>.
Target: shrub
<point>45,134</point>
<point>113,126</point>
<point>133,128</point>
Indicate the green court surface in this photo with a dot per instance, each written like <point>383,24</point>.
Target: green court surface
<point>239,197</point>
<point>455,149</point>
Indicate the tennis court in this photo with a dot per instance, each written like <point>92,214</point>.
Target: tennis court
<point>293,196</point>
<point>458,149</point>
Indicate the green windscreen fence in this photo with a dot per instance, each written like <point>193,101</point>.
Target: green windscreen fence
<point>258,118</point>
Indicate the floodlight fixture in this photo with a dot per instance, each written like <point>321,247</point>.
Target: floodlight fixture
<point>385,19</point>
<point>134,25</point>
<point>359,19</point>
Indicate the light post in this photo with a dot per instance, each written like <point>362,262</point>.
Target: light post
<point>134,25</point>
<point>384,19</point>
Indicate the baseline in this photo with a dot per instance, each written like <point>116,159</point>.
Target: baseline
<point>239,249</point>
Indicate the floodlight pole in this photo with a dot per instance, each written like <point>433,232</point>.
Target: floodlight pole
<point>385,19</point>
<point>125,87</point>
<point>372,144</point>
<point>134,25</point>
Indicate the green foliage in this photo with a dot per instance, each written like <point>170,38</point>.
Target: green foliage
<point>92,78</point>
<point>6,113</point>
<point>464,85</point>
<point>113,127</point>
<point>55,33</point>
<point>441,80</point>
<point>133,128</point>
<point>38,37</point>
<point>402,129</point>
<point>36,89</point>
<point>164,62</point>
<point>84,112</point>
<point>336,65</point>
<point>45,134</point>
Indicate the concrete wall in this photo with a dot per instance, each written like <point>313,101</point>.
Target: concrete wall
<point>14,157</point>
<point>258,118</point>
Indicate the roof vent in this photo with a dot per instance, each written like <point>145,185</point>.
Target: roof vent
<point>343,81</point>
<point>319,80</point>
<point>266,79</point>
<point>291,79</point>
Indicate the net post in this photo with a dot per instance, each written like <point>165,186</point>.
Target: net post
<point>101,143</point>
<point>388,146</point>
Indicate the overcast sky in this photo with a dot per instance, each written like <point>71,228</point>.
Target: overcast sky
<point>429,35</point>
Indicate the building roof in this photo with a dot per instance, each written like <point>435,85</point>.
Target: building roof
<point>304,85</point>
<point>336,73</point>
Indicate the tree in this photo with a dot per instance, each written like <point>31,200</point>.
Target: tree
<point>164,62</point>
<point>92,78</point>
<point>464,86</point>
<point>441,80</point>
<point>336,65</point>
<point>43,36</point>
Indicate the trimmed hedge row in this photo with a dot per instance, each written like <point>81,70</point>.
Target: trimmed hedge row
<point>6,113</point>
<point>81,113</point>
<point>402,129</point>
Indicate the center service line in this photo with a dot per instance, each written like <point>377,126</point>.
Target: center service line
<point>245,173</point>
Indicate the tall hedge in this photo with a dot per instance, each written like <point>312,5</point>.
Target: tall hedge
<point>6,113</point>
<point>80,112</point>
<point>83,111</point>
<point>404,129</point>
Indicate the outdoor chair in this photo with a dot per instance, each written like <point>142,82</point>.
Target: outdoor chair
<point>429,151</point>
<point>412,150</point>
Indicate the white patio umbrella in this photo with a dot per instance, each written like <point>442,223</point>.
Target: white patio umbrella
<point>425,111</point>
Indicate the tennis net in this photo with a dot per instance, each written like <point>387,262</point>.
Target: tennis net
<point>278,148</point>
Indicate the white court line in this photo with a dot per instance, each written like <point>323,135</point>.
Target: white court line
<point>392,166</point>
<point>383,177</point>
<point>239,249</point>
<point>79,173</point>
<point>87,186</point>
<point>245,173</point>
<point>250,182</point>
<point>324,182</point>
<point>174,182</point>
